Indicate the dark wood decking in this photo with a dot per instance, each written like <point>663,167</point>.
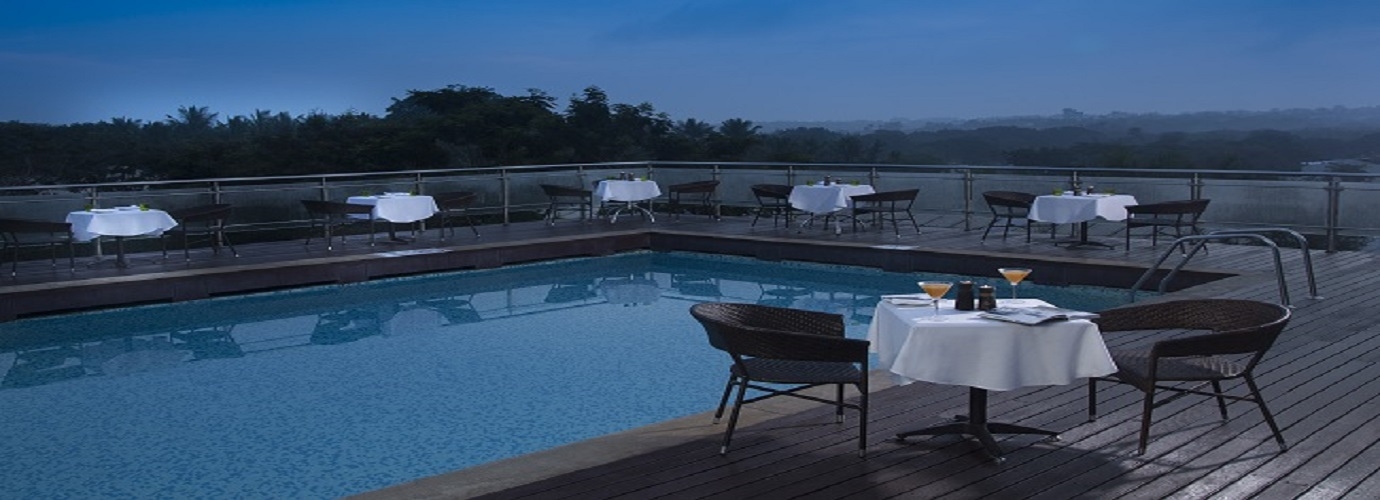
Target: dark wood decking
<point>1320,380</point>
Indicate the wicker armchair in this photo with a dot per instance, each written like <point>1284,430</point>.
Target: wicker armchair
<point>1240,332</point>
<point>884,206</point>
<point>202,221</point>
<point>785,346</point>
<point>773,200</point>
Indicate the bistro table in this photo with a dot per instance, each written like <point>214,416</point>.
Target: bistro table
<point>825,199</point>
<point>984,355</point>
<point>1069,208</point>
<point>629,193</point>
<point>119,222</point>
<point>398,208</point>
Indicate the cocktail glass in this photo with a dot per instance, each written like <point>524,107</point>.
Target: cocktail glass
<point>936,290</point>
<point>1014,275</point>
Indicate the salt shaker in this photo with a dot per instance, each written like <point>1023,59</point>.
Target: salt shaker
<point>965,296</point>
<point>987,298</point>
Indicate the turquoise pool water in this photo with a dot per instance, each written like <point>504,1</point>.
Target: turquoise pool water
<point>329,391</point>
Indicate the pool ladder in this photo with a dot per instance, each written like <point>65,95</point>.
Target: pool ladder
<point>1200,241</point>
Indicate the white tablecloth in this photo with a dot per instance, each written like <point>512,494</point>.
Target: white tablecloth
<point>613,190</point>
<point>1067,209</point>
<point>399,208</point>
<point>125,221</point>
<point>821,199</point>
<point>975,352</point>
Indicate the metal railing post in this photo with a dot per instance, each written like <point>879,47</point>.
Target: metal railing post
<point>1334,203</point>
<point>1195,187</point>
<point>967,199</point>
<point>505,195</point>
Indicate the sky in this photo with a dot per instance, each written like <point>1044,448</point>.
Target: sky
<point>76,61</point>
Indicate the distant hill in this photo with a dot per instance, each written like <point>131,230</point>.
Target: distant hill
<point>1120,123</point>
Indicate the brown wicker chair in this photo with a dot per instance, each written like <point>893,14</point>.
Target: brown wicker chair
<point>1240,332</point>
<point>22,233</point>
<point>774,200</point>
<point>1013,209</point>
<point>1181,216</point>
<point>455,204</point>
<point>203,221</point>
<point>335,215</point>
<point>699,193</point>
<point>565,198</point>
<point>884,206</point>
<point>785,346</point>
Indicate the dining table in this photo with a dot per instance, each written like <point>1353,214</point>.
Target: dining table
<point>119,223</point>
<point>962,348</point>
<point>627,194</point>
<point>825,199</point>
<point>398,208</point>
<point>1069,208</point>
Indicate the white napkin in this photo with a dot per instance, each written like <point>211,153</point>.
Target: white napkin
<point>907,300</point>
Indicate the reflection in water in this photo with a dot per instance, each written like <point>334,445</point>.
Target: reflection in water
<point>577,291</point>
<point>696,285</point>
<point>629,291</point>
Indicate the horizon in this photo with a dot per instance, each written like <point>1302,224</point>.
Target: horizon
<point>711,60</point>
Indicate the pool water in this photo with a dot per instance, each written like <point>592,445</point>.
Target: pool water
<point>330,391</point>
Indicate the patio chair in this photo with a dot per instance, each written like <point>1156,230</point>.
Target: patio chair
<point>1011,209</point>
<point>565,198</point>
<point>1181,216</point>
<point>1239,334</point>
<point>774,200</point>
<point>333,216</point>
<point>798,348</point>
<point>202,222</point>
<point>455,204</point>
<point>24,233</point>
<point>698,193</point>
<point>884,206</point>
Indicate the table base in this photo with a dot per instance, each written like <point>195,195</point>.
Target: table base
<point>975,424</point>
<point>630,206</point>
<point>838,227</point>
<point>1083,240</point>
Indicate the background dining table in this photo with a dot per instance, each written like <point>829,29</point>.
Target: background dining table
<point>825,199</point>
<point>119,223</point>
<point>1069,208</point>
<point>629,193</point>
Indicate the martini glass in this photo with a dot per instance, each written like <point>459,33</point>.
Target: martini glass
<point>936,290</point>
<point>1014,275</point>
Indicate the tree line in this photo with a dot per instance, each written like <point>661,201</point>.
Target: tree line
<point>463,126</point>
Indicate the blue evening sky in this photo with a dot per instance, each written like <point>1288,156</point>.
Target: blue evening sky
<point>763,60</point>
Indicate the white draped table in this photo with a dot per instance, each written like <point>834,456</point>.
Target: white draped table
<point>984,355</point>
<point>629,193</point>
<point>401,208</point>
<point>119,223</point>
<point>820,199</point>
<point>1069,208</point>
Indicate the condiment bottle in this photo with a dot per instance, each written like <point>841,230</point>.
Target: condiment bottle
<point>965,296</point>
<point>987,298</point>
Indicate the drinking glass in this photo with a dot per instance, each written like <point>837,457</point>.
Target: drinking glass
<point>936,290</point>
<point>1014,275</point>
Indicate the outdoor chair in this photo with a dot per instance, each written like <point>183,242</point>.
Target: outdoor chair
<point>697,193</point>
<point>24,233</point>
<point>334,216</point>
<point>564,198</point>
<point>1181,216</point>
<point>793,347</point>
<point>455,204</point>
<point>202,222</point>
<point>1239,332</point>
<point>774,200</point>
<point>884,206</point>
<point>1011,209</point>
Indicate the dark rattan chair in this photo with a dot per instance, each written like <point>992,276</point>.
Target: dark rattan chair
<point>884,206</point>
<point>699,193</point>
<point>24,233</point>
<point>204,222</point>
<point>565,198</point>
<point>1240,332</point>
<point>1011,209</point>
<point>776,345</point>
<point>334,216</point>
<point>455,204</point>
<point>1181,216</point>
<point>774,200</point>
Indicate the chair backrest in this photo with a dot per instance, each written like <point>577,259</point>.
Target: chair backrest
<point>906,195</point>
<point>555,191</point>
<point>1182,208</point>
<point>694,187</point>
<point>318,207</point>
<point>215,213</point>
<point>777,333</point>
<point>17,226</point>
<point>455,200</point>
<point>1236,326</point>
<point>1008,202</point>
<point>765,192</point>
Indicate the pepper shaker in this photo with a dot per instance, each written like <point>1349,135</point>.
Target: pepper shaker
<point>987,298</point>
<point>965,296</point>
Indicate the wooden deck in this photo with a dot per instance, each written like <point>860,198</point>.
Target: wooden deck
<point>1320,381</point>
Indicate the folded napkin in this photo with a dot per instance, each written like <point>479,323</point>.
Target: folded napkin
<point>907,300</point>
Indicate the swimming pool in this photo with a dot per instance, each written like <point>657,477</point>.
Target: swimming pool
<point>328,391</point>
